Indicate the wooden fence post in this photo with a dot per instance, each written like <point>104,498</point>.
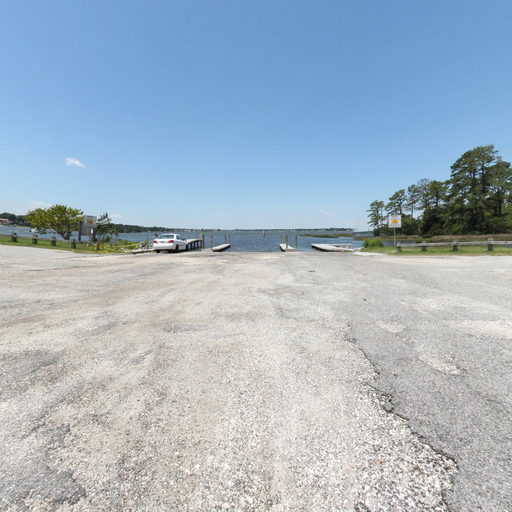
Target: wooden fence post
<point>455,246</point>
<point>34,239</point>
<point>14,237</point>
<point>398,247</point>
<point>490,244</point>
<point>424,246</point>
<point>53,241</point>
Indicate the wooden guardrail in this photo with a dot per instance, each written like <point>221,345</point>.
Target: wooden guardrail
<point>490,243</point>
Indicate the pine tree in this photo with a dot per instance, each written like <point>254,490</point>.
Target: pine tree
<point>376,216</point>
<point>397,202</point>
<point>470,185</point>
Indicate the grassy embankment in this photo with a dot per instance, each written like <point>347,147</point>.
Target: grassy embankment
<point>462,250</point>
<point>470,250</point>
<point>505,237</point>
<point>83,247</point>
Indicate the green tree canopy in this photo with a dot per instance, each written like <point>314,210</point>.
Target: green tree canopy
<point>62,219</point>
<point>105,227</point>
<point>435,194</point>
<point>470,188</point>
<point>412,198</point>
<point>477,198</point>
<point>376,216</point>
<point>397,202</point>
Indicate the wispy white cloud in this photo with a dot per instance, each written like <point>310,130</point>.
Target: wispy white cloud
<point>74,162</point>
<point>116,216</point>
<point>37,204</point>
<point>326,213</point>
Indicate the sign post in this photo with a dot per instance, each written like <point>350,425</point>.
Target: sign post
<point>88,226</point>
<point>394,221</point>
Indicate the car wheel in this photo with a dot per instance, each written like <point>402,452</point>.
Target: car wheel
<point>156,250</point>
<point>177,248</point>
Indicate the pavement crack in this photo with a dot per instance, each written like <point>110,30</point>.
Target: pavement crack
<point>386,401</point>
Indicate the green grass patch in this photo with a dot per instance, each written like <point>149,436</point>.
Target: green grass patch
<point>372,243</point>
<point>504,237</point>
<point>470,250</point>
<point>81,247</point>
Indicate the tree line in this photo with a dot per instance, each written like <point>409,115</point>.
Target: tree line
<point>475,199</point>
<point>15,219</point>
<point>64,220</point>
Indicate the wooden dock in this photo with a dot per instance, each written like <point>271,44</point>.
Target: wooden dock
<point>194,243</point>
<point>334,247</point>
<point>220,248</point>
<point>286,248</point>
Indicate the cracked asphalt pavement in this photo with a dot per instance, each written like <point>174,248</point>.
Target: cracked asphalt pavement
<point>254,382</point>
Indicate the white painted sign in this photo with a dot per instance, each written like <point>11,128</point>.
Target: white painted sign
<point>90,220</point>
<point>394,221</point>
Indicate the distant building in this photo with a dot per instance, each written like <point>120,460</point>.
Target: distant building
<point>5,222</point>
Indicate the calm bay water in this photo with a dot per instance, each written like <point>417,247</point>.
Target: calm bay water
<point>242,241</point>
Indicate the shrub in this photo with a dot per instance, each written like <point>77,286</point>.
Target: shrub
<point>370,243</point>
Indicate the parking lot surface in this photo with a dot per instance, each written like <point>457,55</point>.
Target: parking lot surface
<point>254,382</point>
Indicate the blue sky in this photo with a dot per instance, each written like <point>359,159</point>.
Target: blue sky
<point>254,113</point>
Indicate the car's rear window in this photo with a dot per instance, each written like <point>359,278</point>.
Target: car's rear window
<point>166,236</point>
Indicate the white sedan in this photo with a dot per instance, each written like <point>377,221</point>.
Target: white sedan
<point>169,242</point>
